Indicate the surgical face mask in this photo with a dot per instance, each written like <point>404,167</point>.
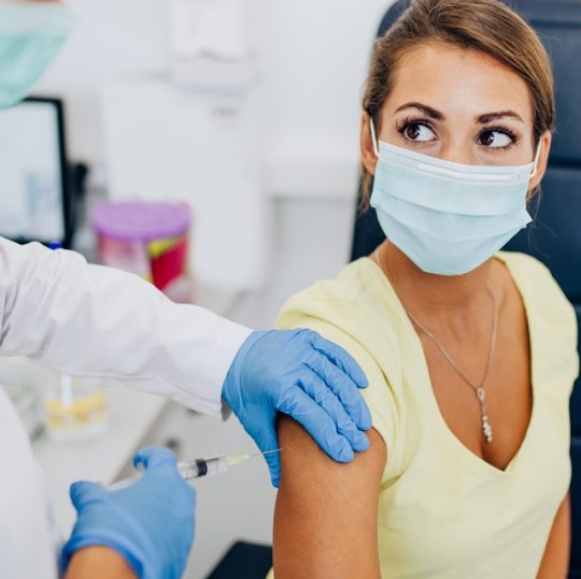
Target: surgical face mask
<point>30,35</point>
<point>448,218</point>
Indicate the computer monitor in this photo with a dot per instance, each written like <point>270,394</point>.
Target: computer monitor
<point>34,187</point>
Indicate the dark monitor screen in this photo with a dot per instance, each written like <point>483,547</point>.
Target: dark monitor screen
<point>33,183</point>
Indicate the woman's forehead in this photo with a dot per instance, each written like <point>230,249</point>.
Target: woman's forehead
<point>455,80</point>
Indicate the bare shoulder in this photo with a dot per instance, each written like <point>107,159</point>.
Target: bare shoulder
<point>300,450</point>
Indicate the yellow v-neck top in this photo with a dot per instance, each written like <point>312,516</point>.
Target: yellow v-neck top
<point>444,513</point>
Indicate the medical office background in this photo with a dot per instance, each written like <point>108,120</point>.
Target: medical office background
<point>269,164</point>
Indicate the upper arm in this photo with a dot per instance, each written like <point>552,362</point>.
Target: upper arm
<point>325,522</point>
<point>555,562</point>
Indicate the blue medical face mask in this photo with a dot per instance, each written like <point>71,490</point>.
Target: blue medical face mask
<point>30,35</point>
<point>448,218</point>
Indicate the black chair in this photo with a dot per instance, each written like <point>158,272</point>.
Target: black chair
<point>555,235</point>
<point>244,561</point>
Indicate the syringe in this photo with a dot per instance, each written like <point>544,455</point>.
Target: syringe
<point>198,467</point>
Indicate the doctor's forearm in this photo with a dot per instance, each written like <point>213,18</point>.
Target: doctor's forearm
<point>98,563</point>
<point>88,320</point>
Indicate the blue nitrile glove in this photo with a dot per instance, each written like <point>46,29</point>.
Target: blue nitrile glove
<point>150,523</point>
<point>299,373</point>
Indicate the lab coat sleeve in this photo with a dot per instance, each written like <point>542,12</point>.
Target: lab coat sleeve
<point>88,320</point>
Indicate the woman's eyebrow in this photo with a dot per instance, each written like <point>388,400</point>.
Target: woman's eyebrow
<point>489,117</point>
<point>428,111</point>
<point>482,119</point>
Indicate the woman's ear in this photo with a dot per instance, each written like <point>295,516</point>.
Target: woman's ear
<point>543,160</point>
<point>368,156</point>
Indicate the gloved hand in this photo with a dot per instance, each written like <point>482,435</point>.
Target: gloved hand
<point>299,373</point>
<point>150,523</point>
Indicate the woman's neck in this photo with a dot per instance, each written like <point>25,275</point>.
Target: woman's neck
<point>450,300</point>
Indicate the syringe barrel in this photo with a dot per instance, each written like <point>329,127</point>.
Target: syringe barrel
<point>203,467</point>
<point>189,469</point>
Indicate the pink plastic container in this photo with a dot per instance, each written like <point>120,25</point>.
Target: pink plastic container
<point>150,239</point>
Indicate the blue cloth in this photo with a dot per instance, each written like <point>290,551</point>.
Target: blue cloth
<point>151,523</point>
<point>298,373</point>
<point>31,34</point>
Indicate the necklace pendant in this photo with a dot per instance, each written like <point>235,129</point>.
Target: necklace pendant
<point>486,428</point>
<point>478,391</point>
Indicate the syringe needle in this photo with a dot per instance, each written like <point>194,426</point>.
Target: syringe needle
<point>234,459</point>
<point>267,452</point>
<point>201,467</point>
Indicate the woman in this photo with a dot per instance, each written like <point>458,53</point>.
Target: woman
<point>470,354</point>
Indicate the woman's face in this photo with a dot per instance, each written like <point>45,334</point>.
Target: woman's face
<point>458,105</point>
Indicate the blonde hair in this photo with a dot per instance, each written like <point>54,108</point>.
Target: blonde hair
<point>488,26</point>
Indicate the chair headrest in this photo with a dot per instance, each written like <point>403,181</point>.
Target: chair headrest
<point>558,24</point>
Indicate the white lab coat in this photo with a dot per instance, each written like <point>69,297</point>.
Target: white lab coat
<point>88,320</point>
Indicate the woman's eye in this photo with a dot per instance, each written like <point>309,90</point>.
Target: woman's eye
<point>417,132</point>
<point>496,139</point>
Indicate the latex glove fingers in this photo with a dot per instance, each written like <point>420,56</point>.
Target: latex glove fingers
<point>341,358</point>
<point>318,423</point>
<point>152,457</point>
<point>338,383</point>
<point>320,393</point>
<point>84,494</point>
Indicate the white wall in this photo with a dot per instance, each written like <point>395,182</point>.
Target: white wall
<point>112,39</point>
<point>315,57</point>
<point>317,62</point>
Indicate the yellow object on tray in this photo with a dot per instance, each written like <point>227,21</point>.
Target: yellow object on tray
<point>76,408</point>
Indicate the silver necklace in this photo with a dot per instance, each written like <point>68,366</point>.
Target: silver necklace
<point>478,390</point>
